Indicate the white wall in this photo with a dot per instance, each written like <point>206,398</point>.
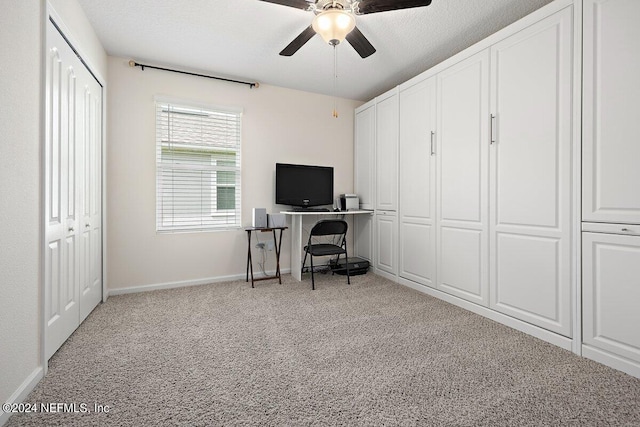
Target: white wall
<point>20,48</point>
<point>279,125</point>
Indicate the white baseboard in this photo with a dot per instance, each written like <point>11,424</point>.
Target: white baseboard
<point>22,392</point>
<point>185,283</point>
<point>611,360</point>
<point>527,328</point>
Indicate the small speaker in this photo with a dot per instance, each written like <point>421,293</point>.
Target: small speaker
<point>276,220</point>
<point>259,217</point>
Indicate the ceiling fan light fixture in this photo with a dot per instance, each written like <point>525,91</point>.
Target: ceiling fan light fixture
<point>333,25</point>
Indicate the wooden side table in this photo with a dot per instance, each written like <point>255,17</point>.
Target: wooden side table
<point>277,243</point>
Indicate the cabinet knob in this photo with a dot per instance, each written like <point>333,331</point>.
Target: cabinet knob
<point>70,228</point>
<point>625,229</point>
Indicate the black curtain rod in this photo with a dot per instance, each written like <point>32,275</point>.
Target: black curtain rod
<point>251,85</point>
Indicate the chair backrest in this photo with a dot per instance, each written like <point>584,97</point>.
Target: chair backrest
<point>328,227</point>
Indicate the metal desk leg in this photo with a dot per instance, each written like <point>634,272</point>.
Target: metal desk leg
<point>249,262</point>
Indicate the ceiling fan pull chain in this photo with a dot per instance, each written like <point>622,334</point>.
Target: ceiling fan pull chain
<point>335,82</point>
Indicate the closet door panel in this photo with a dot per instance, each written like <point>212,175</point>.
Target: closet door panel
<point>365,139</point>
<point>462,170</point>
<point>387,153</point>
<point>417,182</point>
<point>610,125</point>
<point>386,242</point>
<point>611,291</point>
<point>91,279</point>
<point>61,193</point>
<point>531,188</point>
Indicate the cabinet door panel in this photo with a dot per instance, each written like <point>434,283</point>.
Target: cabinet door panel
<point>365,139</point>
<point>387,153</point>
<point>461,271</point>
<point>363,236</point>
<point>527,272</point>
<point>531,189</point>
<point>416,253</point>
<point>611,90</point>
<point>462,170</point>
<point>417,182</point>
<point>610,293</point>
<point>386,243</point>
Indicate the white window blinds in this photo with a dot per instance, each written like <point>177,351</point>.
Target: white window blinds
<point>198,167</point>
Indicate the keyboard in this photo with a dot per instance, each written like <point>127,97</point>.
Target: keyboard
<point>310,210</point>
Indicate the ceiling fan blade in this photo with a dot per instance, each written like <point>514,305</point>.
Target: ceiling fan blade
<point>298,42</point>
<point>360,43</point>
<point>375,6</point>
<point>298,4</point>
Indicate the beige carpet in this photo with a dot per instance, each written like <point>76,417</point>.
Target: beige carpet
<point>373,353</point>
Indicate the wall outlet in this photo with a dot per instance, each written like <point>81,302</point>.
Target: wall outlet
<point>270,245</point>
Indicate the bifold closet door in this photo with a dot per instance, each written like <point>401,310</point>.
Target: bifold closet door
<point>531,188</point>
<point>462,163</point>
<point>73,251</point>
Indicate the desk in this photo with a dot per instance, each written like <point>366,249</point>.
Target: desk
<point>276,243</point>
<point>297,244</point>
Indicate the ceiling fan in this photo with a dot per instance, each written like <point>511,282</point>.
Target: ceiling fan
<point>335,20</point>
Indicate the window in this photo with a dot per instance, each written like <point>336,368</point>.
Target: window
<point>198,167</point>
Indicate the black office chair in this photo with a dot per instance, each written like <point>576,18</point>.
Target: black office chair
<point>327,227</point>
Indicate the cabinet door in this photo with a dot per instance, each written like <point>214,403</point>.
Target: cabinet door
<point>611,111</point>
<point>387,153</point>
<point>417,183</point>
<point>530,178</point>
<point>386,242</point>
<point>462,162</point>
<point>610,293</point>
<point>363,237</point>
<point>365,139</point>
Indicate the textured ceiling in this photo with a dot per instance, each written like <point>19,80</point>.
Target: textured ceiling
<point>242,38</point>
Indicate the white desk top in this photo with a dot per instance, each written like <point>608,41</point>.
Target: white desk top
<point>358,212</point>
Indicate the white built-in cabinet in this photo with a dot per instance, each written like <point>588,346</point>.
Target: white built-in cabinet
<point>531,173</point>
<point>417,179</point>
<point>610,183</point>
<point>481,155</point>
<point>463,172</point>
<point>73,192</point>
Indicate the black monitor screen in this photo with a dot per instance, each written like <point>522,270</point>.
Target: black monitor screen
<point>302,185</point>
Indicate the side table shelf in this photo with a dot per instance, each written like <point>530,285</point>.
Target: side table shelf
<point>277,242</point>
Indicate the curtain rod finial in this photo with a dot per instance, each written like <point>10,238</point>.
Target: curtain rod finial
<point>132,63</point>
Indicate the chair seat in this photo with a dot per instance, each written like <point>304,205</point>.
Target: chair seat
<point>321,249</point>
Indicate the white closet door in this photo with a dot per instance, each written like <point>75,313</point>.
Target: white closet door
<point>462,162</point>
<point>531,173</point>
<point>91,200</point>
<point>69,125</point>
<point>417,183</point>
<point>611,111</point>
